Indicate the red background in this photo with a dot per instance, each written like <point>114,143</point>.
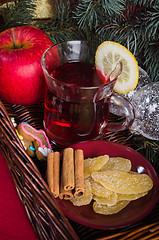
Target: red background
<point>14,223</point>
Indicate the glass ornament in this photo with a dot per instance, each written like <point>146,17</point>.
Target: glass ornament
<point>146,105</point>
<point>143,80</point>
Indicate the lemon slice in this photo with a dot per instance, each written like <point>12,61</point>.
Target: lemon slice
<point>108,55</point>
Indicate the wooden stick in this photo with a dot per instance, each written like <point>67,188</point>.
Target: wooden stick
<point>68,169</point>
<point>79,173</point>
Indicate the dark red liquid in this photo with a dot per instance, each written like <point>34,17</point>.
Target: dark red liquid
<point>68,121</point>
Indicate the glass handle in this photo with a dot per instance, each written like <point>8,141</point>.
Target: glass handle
<point>128,111</point>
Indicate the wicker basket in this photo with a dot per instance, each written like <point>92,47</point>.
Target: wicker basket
<point>45,215</point>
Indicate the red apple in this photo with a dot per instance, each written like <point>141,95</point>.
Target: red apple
<point>21,75</point>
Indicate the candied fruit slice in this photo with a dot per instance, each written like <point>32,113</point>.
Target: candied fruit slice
<point>123,182</point>
<point>99,190</point>
<point>86,198</point>
<point>117,163</point>
<point>108,210</point>
<point>110,200</point>
<point>121,197</point>
<point>94,164</point>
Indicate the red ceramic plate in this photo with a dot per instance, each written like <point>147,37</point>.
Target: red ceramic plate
<point>135,210</point>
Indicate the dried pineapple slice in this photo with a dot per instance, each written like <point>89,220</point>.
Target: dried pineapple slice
<point>108,210</point>
<point>121,197</point>
<point>94,164</point>
<point>99,190</point>
<point>109,201</point>
<point>123,182</point>
<point>117,163</point>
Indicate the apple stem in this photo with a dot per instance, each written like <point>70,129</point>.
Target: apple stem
<point>14,40</point>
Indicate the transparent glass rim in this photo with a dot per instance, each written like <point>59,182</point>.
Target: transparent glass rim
<point>67,84</point>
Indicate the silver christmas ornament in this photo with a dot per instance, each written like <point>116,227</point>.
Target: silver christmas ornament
<point>143,80</point>
<point>146,105</point>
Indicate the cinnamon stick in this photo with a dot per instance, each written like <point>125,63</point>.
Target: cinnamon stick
<point>65,194</point>
<point>68,169</point>
<point>79,173</point>
<point>53,172</point>
<point>56,174</point>
<point>50,167</point>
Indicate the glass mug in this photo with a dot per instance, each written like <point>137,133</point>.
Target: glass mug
<point>77,102</point>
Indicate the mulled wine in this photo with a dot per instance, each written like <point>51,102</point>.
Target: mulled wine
<point>73,119</point>
<point>77,99</point>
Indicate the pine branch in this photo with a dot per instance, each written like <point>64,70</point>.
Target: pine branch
<point>18,13</point>
<point>149,149</point>
<point>151,54</point>
<point>63,9</point>
<point>64,26</point>
<point>90,13</point>
<point>86,14</point>
<point>145,3</point>
<point>152,23</point>
<point>148,22</point>
<point>61,31</point>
